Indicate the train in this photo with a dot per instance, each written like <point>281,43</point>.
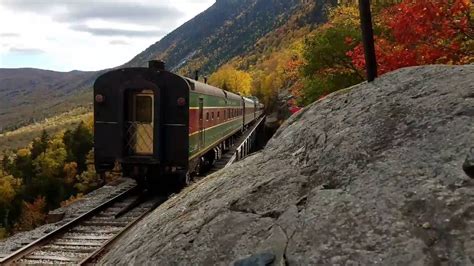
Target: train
<point>162,127</point>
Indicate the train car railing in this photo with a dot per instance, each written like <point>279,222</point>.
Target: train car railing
<point>245,148</point>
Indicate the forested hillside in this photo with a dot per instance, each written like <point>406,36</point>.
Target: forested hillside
<point>52,171</point>
<point>28,95</point>
<point>306,62</point>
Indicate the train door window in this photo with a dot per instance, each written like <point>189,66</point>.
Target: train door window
<point>143,109</point>
<point>140,130</point>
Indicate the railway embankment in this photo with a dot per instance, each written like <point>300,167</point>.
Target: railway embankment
<point>374,174</point>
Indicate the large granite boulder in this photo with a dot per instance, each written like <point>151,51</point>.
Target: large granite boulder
<point>369,175</point>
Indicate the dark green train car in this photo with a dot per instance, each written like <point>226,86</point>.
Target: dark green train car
<point>159,125</point>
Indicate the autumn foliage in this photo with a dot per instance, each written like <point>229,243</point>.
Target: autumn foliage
<point>421,32</point>
<point>38,178</point>
<point>33,214</point>
<point>231,79</point>
<point>407,33</point>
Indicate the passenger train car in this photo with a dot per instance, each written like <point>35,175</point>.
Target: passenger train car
<point>159,125</point>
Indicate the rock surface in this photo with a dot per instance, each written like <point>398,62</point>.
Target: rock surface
<point>369,175</point>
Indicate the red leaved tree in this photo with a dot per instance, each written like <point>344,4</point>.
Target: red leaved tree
<point>421,32</point>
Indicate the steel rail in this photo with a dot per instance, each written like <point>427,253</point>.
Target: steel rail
<point>92,259</point>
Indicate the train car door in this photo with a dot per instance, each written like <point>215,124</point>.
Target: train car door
<point>141,124</point>
<point>201,123</point>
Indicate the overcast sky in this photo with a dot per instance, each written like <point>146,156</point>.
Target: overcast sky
<point>64,35</point>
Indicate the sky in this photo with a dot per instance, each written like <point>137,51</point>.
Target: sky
<point>88,35</point>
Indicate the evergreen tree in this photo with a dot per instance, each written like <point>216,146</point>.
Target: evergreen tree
<point>78,143</point>
<point>39,145</point>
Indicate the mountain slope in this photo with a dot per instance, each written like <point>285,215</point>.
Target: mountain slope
<point>227,29</point>
<point>28,95</point>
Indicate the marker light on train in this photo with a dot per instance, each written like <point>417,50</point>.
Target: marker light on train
<point>99,98</point>
<point>181,101</point>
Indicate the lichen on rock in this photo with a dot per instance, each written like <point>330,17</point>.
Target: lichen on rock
<point>370,175</point>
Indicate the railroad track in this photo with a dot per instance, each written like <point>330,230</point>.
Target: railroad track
<point>83,239</point>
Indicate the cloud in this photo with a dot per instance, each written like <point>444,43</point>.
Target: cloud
<point>29,51</point>
<point>118,42</point>
<point>82,11</point>
<point>9,34</point>
<point>117,32</point>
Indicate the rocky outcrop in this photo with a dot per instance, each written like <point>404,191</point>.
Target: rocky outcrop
<point>369,175</point>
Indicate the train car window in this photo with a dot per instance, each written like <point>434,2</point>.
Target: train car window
<point>207,116</point>
<point>224,115</point>
<point>219,115</point>
<point>212,117</point>
<point>144,109</point>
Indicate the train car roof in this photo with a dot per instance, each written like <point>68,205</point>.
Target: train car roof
<point>203,88</point>
<point>250,99</point>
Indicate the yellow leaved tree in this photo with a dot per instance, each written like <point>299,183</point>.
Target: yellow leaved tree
<point>231,79</point>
